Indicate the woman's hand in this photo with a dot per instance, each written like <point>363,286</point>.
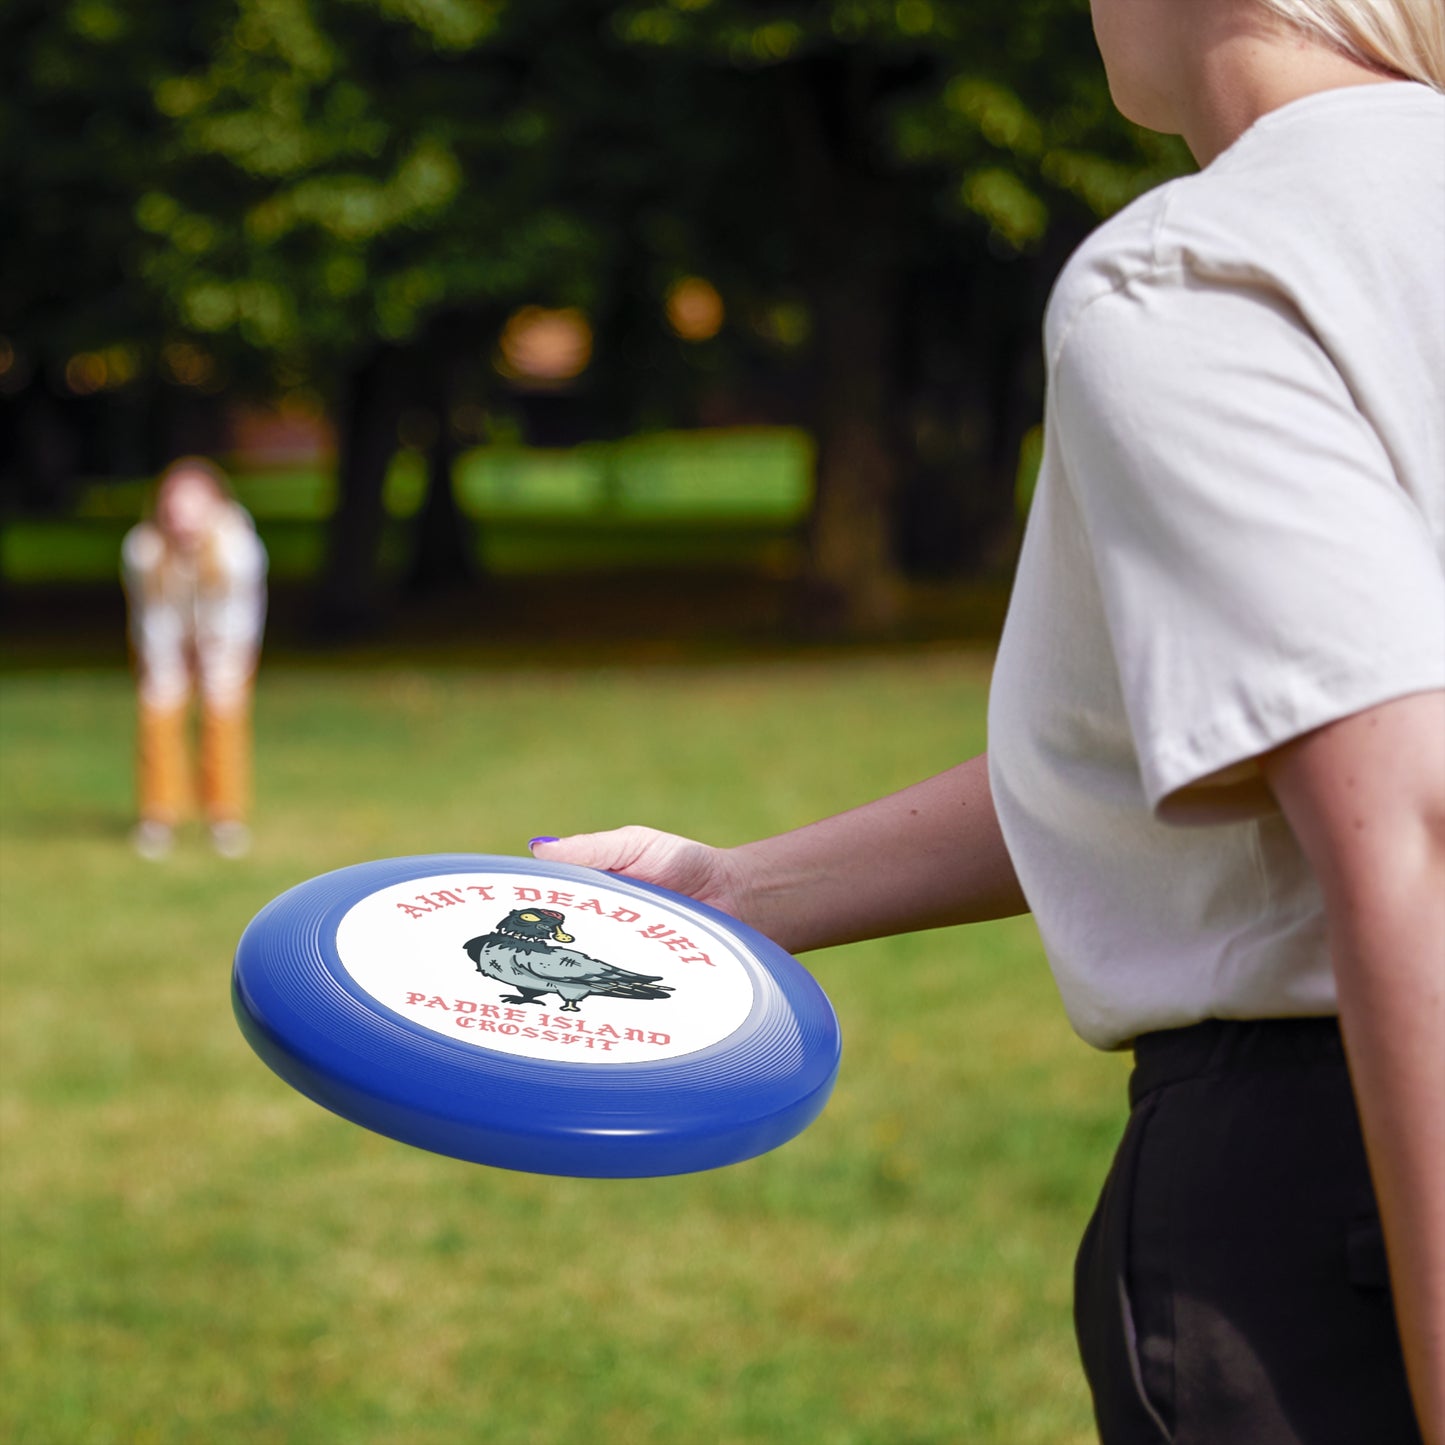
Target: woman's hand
<point>711,875</point>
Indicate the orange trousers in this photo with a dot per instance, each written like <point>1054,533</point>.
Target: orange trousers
<point>164,777</point>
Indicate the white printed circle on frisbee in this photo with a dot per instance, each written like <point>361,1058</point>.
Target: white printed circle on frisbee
<point>536,1016</point>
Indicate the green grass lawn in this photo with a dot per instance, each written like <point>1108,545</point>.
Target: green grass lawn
<point>193,1253</point>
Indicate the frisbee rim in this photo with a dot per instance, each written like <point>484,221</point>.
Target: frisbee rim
<point>635,1118</point>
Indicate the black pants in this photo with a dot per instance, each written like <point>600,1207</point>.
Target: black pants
<point>1231,1288</point>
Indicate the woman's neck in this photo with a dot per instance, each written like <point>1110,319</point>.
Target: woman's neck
<point>1244,69</point>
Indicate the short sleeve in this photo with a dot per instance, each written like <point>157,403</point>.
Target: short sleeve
<point>1263,571</point>
<point>241,552</point>
<point>140,554</point>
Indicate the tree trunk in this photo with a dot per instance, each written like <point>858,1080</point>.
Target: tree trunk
<point>47,450</point>
<point>974,387</point>
<point>349,601</point>
<point>851,265</point>
<point>852,562</point>
<point>442,558</point>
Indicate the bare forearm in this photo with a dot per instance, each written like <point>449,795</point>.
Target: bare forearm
<point>1390,971</point>
<point>1366,799</point>
<point>926,857</point>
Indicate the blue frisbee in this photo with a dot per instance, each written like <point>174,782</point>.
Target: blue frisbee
<point>535,1016</point>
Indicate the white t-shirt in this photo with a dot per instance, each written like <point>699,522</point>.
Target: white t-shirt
<point>1238,536</point>
<point>196,619</point>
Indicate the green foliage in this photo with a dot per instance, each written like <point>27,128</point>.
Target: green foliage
<point>367,178</point>
<point>79,140</point>
<point>190,1251</point>
<point>299,178</point>
<point>351,196</point>
<point>1004,106</point>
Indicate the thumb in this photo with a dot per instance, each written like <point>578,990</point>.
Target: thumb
<point>611,851</point>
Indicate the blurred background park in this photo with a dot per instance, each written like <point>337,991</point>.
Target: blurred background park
<point>639,403</point>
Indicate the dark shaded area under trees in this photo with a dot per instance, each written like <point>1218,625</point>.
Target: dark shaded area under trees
<point>351,196</point>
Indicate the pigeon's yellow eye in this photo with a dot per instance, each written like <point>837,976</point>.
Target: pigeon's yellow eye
<point>530,918</point>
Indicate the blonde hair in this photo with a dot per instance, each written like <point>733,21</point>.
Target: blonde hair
<point>1404,37</point>
<point>192,466</point>
<point>210,570</point>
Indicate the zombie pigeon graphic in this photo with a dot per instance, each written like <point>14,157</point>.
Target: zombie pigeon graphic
<point>525,952</point>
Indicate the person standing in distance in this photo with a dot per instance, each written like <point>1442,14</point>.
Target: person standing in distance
<point>195,583</point>
<point>1216,770</point>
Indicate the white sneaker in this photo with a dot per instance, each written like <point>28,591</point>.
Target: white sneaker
<point>231,839</point>
<point>152,840</point>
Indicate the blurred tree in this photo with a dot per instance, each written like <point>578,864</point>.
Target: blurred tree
<point>925,166</point>
<point>363,190</point>
<point>355,194</point>
<point>367,188</point>
<point>79,139</point>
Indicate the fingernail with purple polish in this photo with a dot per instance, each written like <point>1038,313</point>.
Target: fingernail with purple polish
<point>533,843</point>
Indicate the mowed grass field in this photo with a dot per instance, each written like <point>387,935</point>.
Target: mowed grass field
<point>193,1253</point>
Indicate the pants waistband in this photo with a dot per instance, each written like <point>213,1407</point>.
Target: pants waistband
<point>1224,1046</point>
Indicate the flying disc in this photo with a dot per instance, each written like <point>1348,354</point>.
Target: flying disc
<point>535,1016</point>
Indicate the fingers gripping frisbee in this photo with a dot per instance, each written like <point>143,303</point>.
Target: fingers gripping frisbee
<point>535,1016</point>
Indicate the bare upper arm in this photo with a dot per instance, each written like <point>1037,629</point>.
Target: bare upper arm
<point>1366,795</point>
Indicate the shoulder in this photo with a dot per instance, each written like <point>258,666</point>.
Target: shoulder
<point>1115,256</point>
<point>143,549</point>
<point>239,548</point>
<point>1334,188</point>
